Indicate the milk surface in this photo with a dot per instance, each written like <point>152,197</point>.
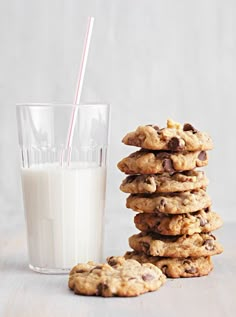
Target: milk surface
<point>64,214</point>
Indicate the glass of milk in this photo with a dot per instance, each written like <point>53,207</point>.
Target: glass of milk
<point>63,185</point>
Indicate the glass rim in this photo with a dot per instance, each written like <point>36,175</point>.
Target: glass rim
<point>61,105</point>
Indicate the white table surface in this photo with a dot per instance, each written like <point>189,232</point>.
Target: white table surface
<point>25,293</point>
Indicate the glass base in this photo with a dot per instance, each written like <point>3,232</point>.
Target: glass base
<point>48,270</point>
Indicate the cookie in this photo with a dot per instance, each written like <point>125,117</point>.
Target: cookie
<point>175,267</point>
<point>201,221</point>
<point>164,183</point>
<point>173,138</point>
<point>196,245</point>
<point>118,278</point>
<point>158,162</point>
<point>171,203</point>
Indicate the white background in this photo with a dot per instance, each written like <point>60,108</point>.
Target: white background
<point>150,59</point>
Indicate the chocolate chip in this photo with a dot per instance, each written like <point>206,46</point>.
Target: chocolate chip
<point>168,165</point>
<point>189,127</point>
<point>203,221</point>
<point>156,127</point>
<point>164,269</point>
<point>191,270</point>
<point>162,155</point>
<point>112,261</point>
<point>212,235</point>
<point>163,202</point>
<point>101,287</point>
<point>147,180</point>
<point>153,126</point>
<point>209,244</point>
<point>174,144</point>
<point>147,277</point>
<point>145,245</point>
<point>207,209</point>
<point>202,156</point>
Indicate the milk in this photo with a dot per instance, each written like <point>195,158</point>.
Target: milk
<point>64,214</point>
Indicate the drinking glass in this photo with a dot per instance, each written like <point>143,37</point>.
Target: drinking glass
<point>63,153</point>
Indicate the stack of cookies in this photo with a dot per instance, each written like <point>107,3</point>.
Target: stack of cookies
<point>168,192</point>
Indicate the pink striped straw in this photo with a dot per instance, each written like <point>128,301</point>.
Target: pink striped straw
<point>78,88</point>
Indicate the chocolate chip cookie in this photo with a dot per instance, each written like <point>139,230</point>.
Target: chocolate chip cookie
<point>200,221</point>
<point>173,138</point>
<point>175,267</point>
<point>196,245</point>
<point>157,162</point>
<point>119,277</point>
<point>164,183</point>
<point>171,203</point>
